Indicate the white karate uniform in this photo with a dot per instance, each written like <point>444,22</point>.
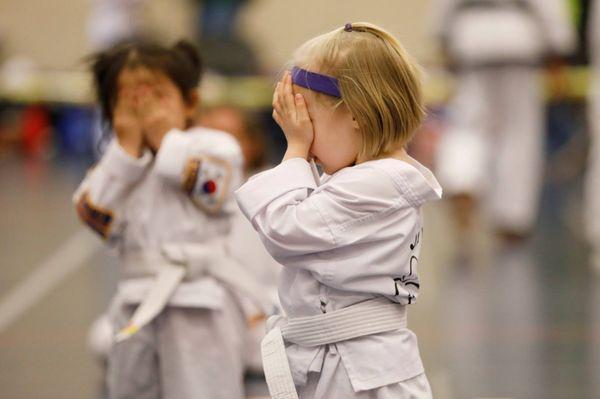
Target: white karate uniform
<point>355,237</point>
<point>494,145</point>
<point>193,348</point>
<point>592,199</point>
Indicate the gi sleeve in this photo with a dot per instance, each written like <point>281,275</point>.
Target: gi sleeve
<point>293,217</point>
<point>100,198</point>
<point>205,164</point>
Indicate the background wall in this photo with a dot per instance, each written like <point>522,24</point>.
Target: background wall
<point>53,33</point>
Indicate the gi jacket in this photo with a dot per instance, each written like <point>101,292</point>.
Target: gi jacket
<point>496,32</point>
<point>181,196</point>
<point>354,237</point>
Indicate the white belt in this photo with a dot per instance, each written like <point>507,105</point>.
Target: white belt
<point>179,261</point>
<point>366,318</point>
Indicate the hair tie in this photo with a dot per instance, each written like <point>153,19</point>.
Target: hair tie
<point>348,27</point>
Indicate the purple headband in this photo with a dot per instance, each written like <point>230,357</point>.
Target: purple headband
<point>315,81</point>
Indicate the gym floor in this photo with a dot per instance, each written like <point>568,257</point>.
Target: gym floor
<point>493,321</point>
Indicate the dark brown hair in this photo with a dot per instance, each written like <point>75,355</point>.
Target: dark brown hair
<point>181,63</point>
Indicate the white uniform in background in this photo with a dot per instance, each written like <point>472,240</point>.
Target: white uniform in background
<point>112,21</point>
<point>245,246</point>
<point>497,114</point>
<point>592,183</point>
<point>147,208</point>
<point>354,238</point>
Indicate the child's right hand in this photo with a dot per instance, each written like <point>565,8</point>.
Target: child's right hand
<point>291,114</point>
<point>158,113</point>
<point>126,124</point>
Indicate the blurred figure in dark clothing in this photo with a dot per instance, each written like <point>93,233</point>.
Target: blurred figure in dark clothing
<point>224,50</point>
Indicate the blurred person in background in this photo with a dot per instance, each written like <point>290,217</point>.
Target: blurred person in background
<point>243,243</point>
<point>109,23</point>
<point>160,196</point>
<point>223,48</point>
<point>246,126</point>
<point>592,182</point>
<point>114,21</point>
<point>493,148</point>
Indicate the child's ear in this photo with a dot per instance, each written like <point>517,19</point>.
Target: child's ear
<point>355,123</point>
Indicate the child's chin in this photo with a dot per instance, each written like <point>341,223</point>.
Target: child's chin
<point>327,169</point>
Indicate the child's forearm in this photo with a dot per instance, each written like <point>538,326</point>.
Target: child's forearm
<point>100,197</point>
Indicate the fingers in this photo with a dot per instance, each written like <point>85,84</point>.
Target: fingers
<point>276,103</point>
<point>291,114</point>
<point>126,96</point>
<point>125,107</point>
<point>277,118</point>
<point>284,102</point>
<point>301,109</point>
<point>148,102</point>
<point>283,98</point>
<point>125,100</point>
<point>287,97</point>
<point>289,109</point>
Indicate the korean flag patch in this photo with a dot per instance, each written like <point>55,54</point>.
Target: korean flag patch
<point>206,179</point>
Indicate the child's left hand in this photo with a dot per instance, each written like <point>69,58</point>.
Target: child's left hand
<point>158,114</point>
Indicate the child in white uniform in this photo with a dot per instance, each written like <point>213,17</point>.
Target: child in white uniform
<point>162,196</point>
<point>349,241</point>
<point>493,151</point>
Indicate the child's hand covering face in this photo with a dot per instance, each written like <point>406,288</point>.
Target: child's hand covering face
<point>126,123</point>
<point>291,114</point>
<point>158,113</point>
<point>328,134</point>
<point>148,105</point>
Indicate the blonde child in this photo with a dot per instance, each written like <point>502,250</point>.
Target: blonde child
<point>350,240</point>
<point>161,196</point>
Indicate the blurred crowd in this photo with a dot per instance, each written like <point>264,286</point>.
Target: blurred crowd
<point>513,99</point>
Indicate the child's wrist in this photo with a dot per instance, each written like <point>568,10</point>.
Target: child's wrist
<point>132,147</point>
<point>155,136</point>
<point>296,150</point>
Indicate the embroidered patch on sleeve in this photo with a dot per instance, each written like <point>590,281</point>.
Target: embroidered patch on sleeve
<point>97,218</point>
<point>206,179</point>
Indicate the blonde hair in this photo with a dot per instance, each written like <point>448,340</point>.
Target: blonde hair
<point>378,80</point>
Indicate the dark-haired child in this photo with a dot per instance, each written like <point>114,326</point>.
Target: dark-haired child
<point>161,196</point>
